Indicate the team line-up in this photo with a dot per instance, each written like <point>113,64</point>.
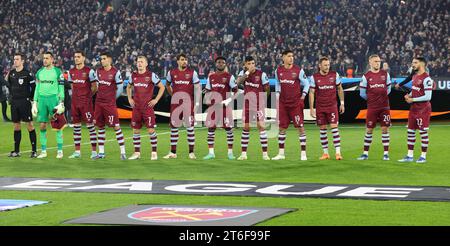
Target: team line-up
<point>42,96</point>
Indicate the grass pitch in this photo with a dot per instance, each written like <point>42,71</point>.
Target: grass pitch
<point>311,211</point>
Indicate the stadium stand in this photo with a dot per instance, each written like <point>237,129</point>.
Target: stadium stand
<point>348,31</point>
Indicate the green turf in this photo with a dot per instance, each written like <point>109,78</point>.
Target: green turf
<point>65,206</point>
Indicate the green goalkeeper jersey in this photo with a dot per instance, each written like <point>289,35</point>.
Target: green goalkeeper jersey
<point>49,82</point>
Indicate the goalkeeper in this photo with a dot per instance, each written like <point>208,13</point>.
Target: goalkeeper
<point>48,96</point>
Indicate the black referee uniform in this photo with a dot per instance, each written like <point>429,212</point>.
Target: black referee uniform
<point>21,85</point>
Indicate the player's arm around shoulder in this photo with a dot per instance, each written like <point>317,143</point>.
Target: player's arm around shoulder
<point>161,90</point>
<point>130,92</point>
<point>363,87</point>
<point>61,83</point>
<point>265,82</point>
<point>94,81</point>
<point>305,84</point>
<point>312,90</point>
<point>38,86</point>
<point>169,83</point>
<point>340,94</point>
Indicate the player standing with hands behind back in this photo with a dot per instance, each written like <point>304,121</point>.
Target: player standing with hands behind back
<point>184,86</point>
<point>143,81</point>
<point>375,87</point>
<point>105,113</point>
<point>83,82</point>
<point>292,87</point>
<point>324,85</point>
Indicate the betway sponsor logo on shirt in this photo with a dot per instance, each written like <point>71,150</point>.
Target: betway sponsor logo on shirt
<point>415,88</point>
<point>326,87</point>
<point>182,82</point>
<point>79,81</point>
<point>287,81</point>
<point>102,82</point>
<point>218,85</point>
<point>376,86</point>
<point>141,85</point>
<point>251,84</point>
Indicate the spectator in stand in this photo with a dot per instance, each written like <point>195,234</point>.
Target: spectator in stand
<point>221,27</point>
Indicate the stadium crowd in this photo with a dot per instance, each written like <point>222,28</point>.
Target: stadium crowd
<point>348,31</point>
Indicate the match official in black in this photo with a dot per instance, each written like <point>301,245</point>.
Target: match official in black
<point>21,85</point>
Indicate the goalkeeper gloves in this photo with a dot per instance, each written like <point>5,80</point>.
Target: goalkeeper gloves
<point>34,109</point>
<point>60,108</point>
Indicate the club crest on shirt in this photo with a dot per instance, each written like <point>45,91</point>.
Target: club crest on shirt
<point>83,74</point>
<point>294,75</point>
<point>147,79</point>
<point>257,78</point>
<point>187,76</point>
<point>20,81</point>
<point>224,80</point>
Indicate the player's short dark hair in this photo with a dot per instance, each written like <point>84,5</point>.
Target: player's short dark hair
<point>249,59</point>
<point>421,59</point>
<point>181,55</point>
<point>80,52</point>
<point>373,56</point>
<point>107,54</point>
<point>49,53</point>
<point>323,58</point>
<point>287,52</point>
<point>22,56</point>
<point>142,56</point>
<point>220,58</point>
